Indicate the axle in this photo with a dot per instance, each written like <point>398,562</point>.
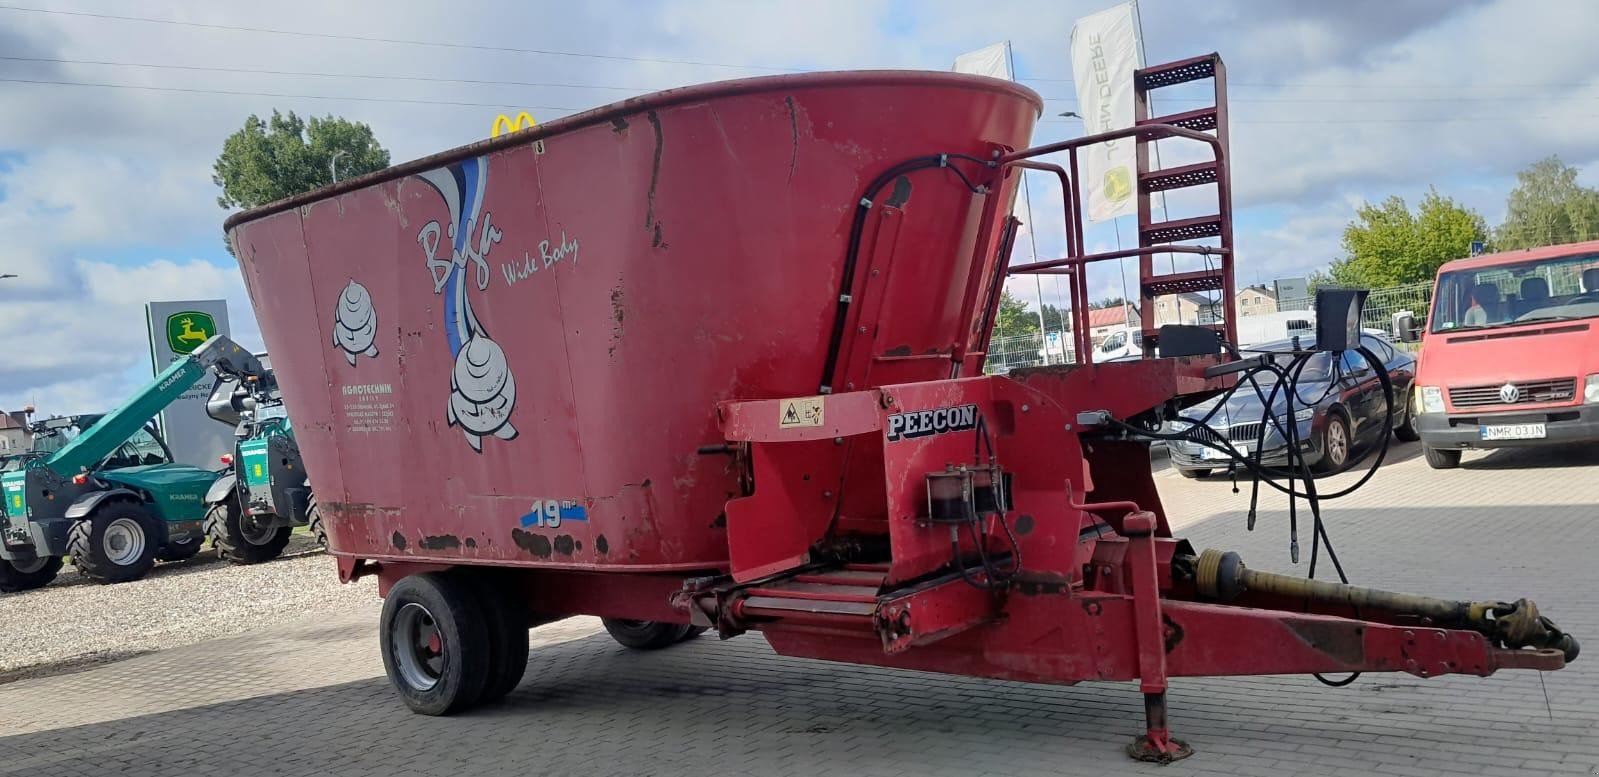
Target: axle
<point>1222,576</point>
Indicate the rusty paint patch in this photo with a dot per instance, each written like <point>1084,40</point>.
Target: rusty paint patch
<point>440,542</point>
<point>655,178</point>
<point>602,545</point>
<point>398,540</point>
<point>1024,524</point>
<point>1343,642</point>
<point>901,194</point>
<point>619,125</point>
<point>537,544</point>
<point>471,542</point>
<point>900,350</point>
<point>579,546</point>
<point>617,314</point>
<point>793,134</point>
<point>564,544</point>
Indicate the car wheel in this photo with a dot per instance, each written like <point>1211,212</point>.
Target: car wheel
<point>1440,458</point>
<point>1406,432</point>
<point>1335,444</point>
<point>1193,474</point>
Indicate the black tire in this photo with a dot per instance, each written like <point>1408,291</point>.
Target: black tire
<point>1440,458</point>
<point>28,576</point>
<point>508,628</point>
<point>180,551</point>
<point>693,633</point>
<point>645,635</point>
<point>428,611</point>
<point>238,543</point>
<point>1335,453</point>
<point>1407,432</point>
<point>115,544</point>
<point>313,517</point>
<point>1193,474</point>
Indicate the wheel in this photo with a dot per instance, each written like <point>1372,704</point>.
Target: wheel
<point>435,643</point>
<point>28,575</point>
<point>1440,458</point>
<point>115,544</point>
<point>645,635</point>
<point>1193,474</point>
<point>1335,444</point>
<point>318,529</point>
<point>238,539</point>
<point>180,551</point>
<point>1406,432</point>
<point>693,633</point>
<point>507,634</point>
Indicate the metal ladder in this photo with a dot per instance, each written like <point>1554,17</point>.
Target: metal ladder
<point>1218,274</point>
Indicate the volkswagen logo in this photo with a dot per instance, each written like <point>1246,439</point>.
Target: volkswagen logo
<point>1509,393</point>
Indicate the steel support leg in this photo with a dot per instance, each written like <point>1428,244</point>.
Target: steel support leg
<point>1156,744</point>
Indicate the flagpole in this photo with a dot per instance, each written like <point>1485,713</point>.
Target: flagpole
<point>1032,232</point>
<point>1143,54</point>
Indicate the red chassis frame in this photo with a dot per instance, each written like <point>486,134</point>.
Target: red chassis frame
<point>1096,597</point>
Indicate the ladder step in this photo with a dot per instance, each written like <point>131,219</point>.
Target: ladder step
<point>1180,72</point>
<point>775,605</point>
<point>1183,283</point>
<point>1178,177</point>
<point>1198,120</point>
<point>1178,230</point>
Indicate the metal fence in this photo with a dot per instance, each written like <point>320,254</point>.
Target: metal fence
<point>1007,353</point>
<point>1382,305</point>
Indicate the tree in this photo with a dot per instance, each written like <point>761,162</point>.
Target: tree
<point>1387,245</point>
<point>1014,317</point>
<point>1548,207</point>
<point>266,161</point>
<point>1108,302</point>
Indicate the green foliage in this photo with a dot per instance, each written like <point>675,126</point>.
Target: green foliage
<point>1387,245</point>
<point>1548,207</point>
<point>1014,317</point>
<point>266,161</point>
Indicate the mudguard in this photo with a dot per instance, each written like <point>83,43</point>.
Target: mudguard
<point>221,489</point>
<point>84,505</point>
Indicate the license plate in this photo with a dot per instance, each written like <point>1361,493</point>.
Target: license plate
<point>1211,454</point>
<point>1514,432</point>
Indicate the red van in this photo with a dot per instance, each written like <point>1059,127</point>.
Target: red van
<point>1510,356</point>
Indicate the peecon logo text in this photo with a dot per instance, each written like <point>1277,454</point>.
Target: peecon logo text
<point>523,121</point>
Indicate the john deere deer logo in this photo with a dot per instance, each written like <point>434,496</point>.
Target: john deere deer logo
<point>188,329</point>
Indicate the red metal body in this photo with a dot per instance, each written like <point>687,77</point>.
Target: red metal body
<point>706,356</point>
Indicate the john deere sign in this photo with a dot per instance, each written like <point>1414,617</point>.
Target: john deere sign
<point>187,329</point>
<point>176,329</point>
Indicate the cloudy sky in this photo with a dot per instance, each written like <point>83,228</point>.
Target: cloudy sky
<point>109,121</point>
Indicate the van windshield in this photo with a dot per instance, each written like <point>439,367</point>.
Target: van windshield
<point>1555,289</point>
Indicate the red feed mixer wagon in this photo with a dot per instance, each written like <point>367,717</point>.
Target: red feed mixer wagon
<point>712,359</point>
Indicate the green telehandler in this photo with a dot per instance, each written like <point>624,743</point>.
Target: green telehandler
<point>111,497</point>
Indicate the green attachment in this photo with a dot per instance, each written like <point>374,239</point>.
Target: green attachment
<point>253,463</point>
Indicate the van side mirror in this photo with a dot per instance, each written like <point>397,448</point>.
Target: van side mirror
<point>1405,329</point>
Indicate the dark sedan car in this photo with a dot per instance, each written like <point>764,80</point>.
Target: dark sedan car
<point>1339,407</point>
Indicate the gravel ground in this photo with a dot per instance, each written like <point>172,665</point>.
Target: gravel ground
<point>73,623</point>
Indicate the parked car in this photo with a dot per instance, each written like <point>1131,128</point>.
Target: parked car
<point>1511,356</point>
<point>1338,408</point>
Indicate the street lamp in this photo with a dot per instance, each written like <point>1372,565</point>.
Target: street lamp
<point>333,164</point>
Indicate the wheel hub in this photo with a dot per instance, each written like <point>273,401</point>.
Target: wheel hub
<point>418,647</point>
<point>123,541</point>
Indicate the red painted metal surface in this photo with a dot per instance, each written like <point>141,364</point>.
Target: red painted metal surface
<point>466,340</point>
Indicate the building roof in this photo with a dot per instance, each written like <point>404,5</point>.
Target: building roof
<point>1261,289</point>
<point>1112,316</point>
<point>7,421</point>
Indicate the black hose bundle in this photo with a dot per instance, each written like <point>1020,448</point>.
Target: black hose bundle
<point>1298,469</point>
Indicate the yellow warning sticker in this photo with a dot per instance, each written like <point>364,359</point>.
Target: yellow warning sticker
<point>798,412</point>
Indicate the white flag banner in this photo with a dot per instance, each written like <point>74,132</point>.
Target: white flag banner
<point>1104,55</point>
<point>992,61</point>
